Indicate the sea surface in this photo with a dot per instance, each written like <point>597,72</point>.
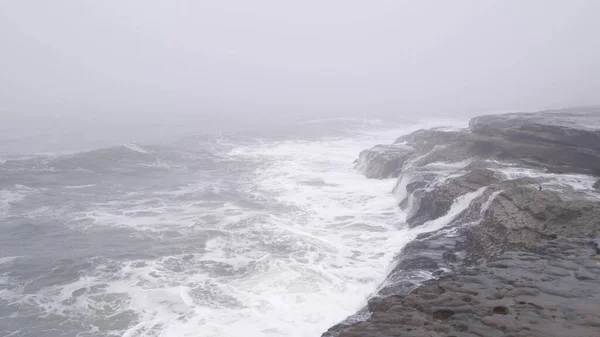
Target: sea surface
<point>256,233</point>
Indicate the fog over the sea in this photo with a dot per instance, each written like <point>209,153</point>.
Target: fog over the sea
<point>214,65</point>
<point>178,168</point>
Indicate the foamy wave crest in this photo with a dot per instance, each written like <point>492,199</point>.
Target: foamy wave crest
<point>8,198</point>
<point>76,187</point>
<point>136,148</point>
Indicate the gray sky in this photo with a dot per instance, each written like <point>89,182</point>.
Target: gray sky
<point>233,59</point>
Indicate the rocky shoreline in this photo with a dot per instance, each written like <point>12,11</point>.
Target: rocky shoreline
<point>509,211</point>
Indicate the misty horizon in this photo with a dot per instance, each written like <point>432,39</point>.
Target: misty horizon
<point>299,168</point>
<point>267,61</point>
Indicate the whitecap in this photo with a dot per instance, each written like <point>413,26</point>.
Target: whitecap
<point>136,147</point>
<point>8,259</point>
<point>8,198</point>
<point>75,187</point>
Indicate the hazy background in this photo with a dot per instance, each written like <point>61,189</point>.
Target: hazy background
<point>212,65</point>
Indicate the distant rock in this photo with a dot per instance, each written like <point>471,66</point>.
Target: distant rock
<point>569,127</point>
<point>551,140</point>
<point>561,140</point>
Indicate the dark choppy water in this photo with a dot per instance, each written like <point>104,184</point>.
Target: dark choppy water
<point>223,235</point>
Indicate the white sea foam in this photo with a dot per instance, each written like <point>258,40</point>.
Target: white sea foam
<point>443,171</point>
<point>136,148</point>
<point>8,198</point>
<point>161,165</point>
<point>163,212</point>
<point>304,261</point>
<point>75,187</point>
<point>458,206</point>
<point>486,205</point>
<point>307,258</point>
<point>446,166</point>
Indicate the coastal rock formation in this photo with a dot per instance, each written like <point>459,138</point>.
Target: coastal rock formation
<point>383,161</point>
<point>567,127</point>
<point>432,203</point>
<point>508,210</point>
<point>548,290</point>
<point>556,141</point>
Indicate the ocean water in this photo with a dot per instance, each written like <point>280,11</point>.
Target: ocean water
<point>269,233</point>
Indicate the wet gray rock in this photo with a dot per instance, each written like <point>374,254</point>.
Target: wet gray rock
<point>561,140</point>
<point>548,290</point>
<point>383,161</point>
<point>558,141</point>
<point>426,140</point>
<point>576,127</point>
<point>511,214</point>
<point>521,215</point>
<point>435,202</point>
<point>597,185</point>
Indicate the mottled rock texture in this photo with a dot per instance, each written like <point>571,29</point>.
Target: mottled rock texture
<point>548,290</point>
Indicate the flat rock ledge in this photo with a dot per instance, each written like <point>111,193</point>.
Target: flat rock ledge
<point>549,290</point>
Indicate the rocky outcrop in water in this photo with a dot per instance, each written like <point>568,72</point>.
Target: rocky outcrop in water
<point>383,161</point>
<point>509,210</point>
